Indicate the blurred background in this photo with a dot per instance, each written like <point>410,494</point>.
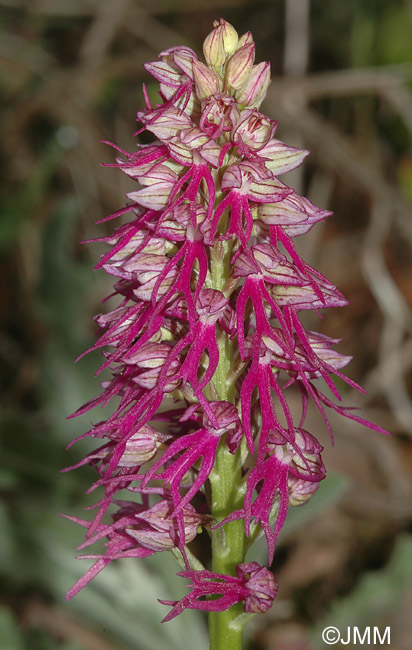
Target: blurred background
<point>71,75</point>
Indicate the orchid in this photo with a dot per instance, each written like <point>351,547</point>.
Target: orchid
<point>205,343</point>
<point>253,584</point>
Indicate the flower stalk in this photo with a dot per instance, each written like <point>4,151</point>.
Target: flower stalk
<point>205,342</point>
<point>225,479</point>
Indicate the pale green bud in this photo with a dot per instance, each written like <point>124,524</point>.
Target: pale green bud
<point>220,43</point>
<point>253,92</point>
<point>245,39</point>
<point>207,82</point>
<point>230,37</point>
<point>240,66</point>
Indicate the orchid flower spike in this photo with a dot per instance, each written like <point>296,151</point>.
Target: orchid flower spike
<point>205,342</point>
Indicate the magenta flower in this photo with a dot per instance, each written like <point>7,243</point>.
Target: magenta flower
<point>205,342</point>
<point>253,584</point>
<point>138,531</point>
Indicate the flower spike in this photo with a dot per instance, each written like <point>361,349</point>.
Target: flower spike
<point>206,342</point>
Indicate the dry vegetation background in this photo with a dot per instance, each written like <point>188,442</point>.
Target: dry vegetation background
<point>71,74</point>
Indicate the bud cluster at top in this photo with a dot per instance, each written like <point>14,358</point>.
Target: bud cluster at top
<point>205,343</point>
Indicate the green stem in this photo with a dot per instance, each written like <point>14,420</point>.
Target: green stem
<point>228,549</point>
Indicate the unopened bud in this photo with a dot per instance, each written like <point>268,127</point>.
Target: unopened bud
<point>230,37</point>
<point>240,66</point>
<point>253,92</point>
<point>207,82</point>
<point>245,39</point>
<point>213,49</point>
<point>220,43</point>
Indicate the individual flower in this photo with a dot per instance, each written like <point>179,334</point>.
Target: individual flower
<point>138,531</point>
<point>253,584</point>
